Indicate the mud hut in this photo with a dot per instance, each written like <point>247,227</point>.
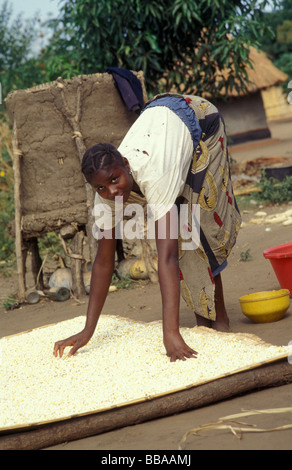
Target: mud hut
<point>53,124</point>
<point>245,113</point>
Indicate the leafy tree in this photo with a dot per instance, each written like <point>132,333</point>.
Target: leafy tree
<point>279,21</point>
<point>284,63</point>
<point>184,41</point>
<point>19,68</point>
<point>279,46</point>
<point>284,32</point>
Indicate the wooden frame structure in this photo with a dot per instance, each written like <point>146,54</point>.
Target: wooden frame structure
<point>53,124</point>
<point>35,437</point>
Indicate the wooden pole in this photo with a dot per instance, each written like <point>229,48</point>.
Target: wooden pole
<point>268,375</point>
<point>17,156</point>
<point>76,265</point>
<point>75,253</point>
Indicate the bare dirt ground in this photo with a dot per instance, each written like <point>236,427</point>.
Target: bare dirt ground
<point>143,303</point>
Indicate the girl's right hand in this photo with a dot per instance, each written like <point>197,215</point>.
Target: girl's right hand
<point>176,348</point>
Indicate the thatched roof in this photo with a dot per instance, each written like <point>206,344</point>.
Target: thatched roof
<point>263,75</point>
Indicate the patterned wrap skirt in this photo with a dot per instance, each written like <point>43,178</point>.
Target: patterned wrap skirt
<point>208,186</point>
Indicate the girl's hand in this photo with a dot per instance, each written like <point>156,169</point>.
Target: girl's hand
<point>77,341</point>
<point>176,348</point>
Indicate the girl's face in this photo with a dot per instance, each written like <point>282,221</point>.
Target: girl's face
<point>113,181</point>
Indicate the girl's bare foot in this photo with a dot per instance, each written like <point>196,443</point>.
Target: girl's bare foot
<point>221,326</point>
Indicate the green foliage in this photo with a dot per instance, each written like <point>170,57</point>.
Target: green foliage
<point>50,245</point>
<point>274,191</point>
<point>284,32</point>
<point>182,41</point>
<point>279,21</point>
<point>284,63</point>
<point>6,193</point>
<point>19,65</point>
<point>10,303</point>
<point>122,282</point>
<point>245,255</point>
<point>278,46</point>
<point>6,215</point>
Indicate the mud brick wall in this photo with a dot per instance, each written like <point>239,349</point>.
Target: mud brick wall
<point>53,125</point>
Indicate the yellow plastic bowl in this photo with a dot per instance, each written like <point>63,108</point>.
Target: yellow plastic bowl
<point>265,307</point>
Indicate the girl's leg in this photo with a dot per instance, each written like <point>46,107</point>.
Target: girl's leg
<point>222,322</point>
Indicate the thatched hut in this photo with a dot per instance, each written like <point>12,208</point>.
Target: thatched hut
<point>245,113</point>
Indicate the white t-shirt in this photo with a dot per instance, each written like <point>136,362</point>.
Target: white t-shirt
<point>159,149</point>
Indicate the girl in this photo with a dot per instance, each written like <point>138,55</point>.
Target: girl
<point>175,152</point>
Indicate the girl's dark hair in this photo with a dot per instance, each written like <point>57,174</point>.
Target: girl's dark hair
<point>98,157</point>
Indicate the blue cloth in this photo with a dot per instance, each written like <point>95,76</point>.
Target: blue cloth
<point>180,107</point>
<point>219,269</point>
<point>129,87</point>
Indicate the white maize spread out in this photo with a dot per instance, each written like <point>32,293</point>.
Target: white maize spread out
<point>124,361</point>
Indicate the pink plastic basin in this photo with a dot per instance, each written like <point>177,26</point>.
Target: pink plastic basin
<point>281,261</point>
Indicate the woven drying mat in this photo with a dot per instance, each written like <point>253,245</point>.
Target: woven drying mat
<point>272,369</point>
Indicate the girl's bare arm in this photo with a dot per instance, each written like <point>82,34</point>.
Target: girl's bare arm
<point>168,274</point>
<point>102,271</point>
